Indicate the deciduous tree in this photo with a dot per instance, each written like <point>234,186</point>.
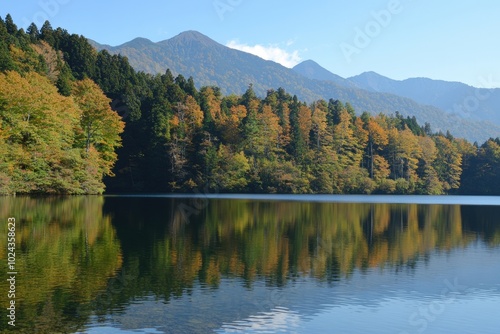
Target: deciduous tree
<point>101,126</point>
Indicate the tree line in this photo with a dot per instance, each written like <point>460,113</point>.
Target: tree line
<point>178,138</point>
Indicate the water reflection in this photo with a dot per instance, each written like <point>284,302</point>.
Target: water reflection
<point>198,265</point>
<point>277,241</point>
<point>65,254</point>
<point>183,246</point>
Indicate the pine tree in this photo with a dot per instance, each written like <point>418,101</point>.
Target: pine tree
<point>10,25</point>
<point>6,62</point>
<point>33,33</point>
<point>448,163</point>
<point>47,33</point>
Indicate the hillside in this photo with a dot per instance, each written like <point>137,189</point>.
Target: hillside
<point>210,63</point>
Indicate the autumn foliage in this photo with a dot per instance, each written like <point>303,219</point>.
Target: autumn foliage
<point>71,118</point>
<point>51,143</point>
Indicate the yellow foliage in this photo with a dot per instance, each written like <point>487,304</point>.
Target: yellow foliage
<point>51,58</point>
<point>305,122</point>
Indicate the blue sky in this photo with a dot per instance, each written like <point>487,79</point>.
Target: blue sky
<point>453,41</point>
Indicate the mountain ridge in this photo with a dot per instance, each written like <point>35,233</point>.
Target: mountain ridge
<point>453,97</point>
<point>210,63</point>
<point>456,98</point>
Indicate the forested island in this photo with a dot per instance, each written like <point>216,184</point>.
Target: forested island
<point>77,121</point>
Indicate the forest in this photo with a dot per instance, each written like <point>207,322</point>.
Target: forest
<point>77,121</point>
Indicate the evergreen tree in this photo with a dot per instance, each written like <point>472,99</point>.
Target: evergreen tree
<point>10,25</point>
<point>6,62</point>
<point>33,33</point>
<point>47,33</point>
<point>448,163</point>
<point>64,80</point>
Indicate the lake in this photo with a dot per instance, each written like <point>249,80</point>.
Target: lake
<point>253,264</point>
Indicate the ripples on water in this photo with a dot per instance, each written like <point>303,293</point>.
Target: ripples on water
<point>451,294</point>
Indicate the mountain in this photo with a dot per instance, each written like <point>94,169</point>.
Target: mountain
<point>210,63</point>
<point>312,70</point>
<point>453,97</point>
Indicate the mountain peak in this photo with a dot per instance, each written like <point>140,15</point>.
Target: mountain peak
<point>371,74</point>
<point>312,70</point>
<point>373,81</point>
<point>140,40</point>
<point>308,62</point>
<point>136,43</point>
<point>191,36</point>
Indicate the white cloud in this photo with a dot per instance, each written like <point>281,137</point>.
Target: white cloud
<point>270,52</point>
<point>279,319</point>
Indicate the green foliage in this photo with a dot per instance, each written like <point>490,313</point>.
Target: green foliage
<point>10,25</point>
<point>64,81</point>
<point>101,126</point>
<point>40,135</point>
<point>33,33</point>
<point>232,170</point>
<point>482,172</point>
<point>53,138</point>
<point>6,62</point>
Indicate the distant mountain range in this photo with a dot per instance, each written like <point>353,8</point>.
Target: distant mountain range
<point>453,97</point>
<point>463,110</point>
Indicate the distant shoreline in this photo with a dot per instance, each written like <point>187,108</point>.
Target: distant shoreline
<point>322,198</point>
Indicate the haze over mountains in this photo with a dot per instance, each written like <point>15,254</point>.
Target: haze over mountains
<point>465,111</point>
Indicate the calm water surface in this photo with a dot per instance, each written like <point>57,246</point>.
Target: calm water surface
<point>254,264</point>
